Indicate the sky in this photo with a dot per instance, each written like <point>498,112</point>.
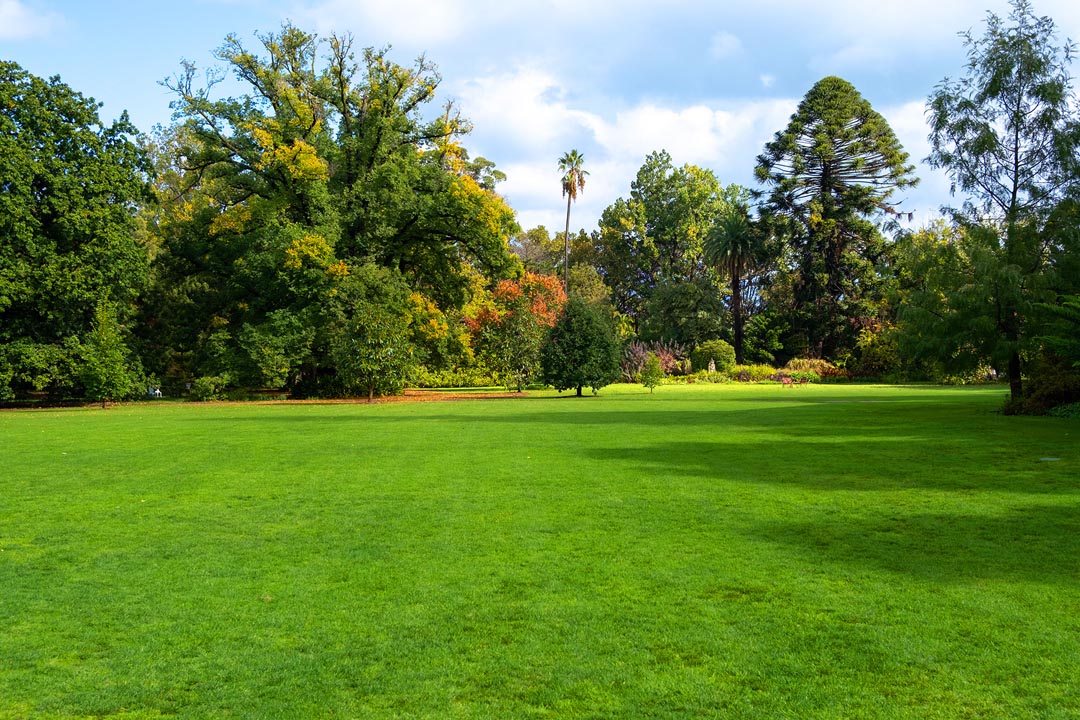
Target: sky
<point>710,81</point>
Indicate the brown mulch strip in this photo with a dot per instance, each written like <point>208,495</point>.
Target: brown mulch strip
<point>417,395</point>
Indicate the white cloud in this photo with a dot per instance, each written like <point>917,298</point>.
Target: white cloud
<point>767,81</point>
<point>409,22</point>
<point>524,121</point>
<point>522,108</point>
<point>724,45</point>
<point>19,21</point>
<point>908,122</point>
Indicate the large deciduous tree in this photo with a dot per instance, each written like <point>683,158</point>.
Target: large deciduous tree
<point>68,188</point>
<point>322,165</point>
<point>650,250</point>
<point>1008,134</point>
<point>829,175</point>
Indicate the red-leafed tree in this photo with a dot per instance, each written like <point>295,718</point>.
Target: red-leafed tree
<point>509,331</point>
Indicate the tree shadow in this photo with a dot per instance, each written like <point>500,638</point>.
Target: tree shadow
<point>1036,543</point>
<point>829,460</point>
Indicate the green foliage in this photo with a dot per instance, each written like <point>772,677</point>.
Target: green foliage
<point>372,352</point>
<point>69,188</point>
<point>673,358</point>
<point>832,174</point>
<point>1072,410</point>
<point>508,335</point>
<point>211,387</point>
<point>581,350</point>
<point>653,242</point>
<point>719,352</point>
<point>1061,328</point>
<point>684,312</point>
<point>878,352</point>
<point>764,333</point>
<point>818,368</point>
<point>277,346</point>
<point>652,374</point>
<point>272,200</point>
<point>573,182</point>
<point>106,372</point>
<point>736,246</point>
<point>1053,382</point>
<point>1008,134</point>
<point>467,377</point>
<point>370,341</point>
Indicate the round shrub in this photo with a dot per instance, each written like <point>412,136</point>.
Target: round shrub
<point>719,351</point>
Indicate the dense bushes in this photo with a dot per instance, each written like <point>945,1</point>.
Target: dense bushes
<point>718,352</point>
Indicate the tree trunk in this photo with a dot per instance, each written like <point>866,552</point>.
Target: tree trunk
<point>736,312</point>
<point>579,391</point>
<point>1016,383</point>
<point>566,251</point>
<point>370,394</point>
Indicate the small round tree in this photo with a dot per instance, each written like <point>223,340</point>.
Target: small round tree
<point>581,349</point>
<point>652,374</point>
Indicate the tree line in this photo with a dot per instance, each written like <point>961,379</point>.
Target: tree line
<point>327,233</point>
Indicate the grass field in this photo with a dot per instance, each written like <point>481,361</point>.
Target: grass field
<point>724,551</point>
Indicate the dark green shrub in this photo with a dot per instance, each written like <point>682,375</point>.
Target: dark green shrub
<point>581,350</point>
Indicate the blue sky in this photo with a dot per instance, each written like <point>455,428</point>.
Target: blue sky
<point>709,81</point>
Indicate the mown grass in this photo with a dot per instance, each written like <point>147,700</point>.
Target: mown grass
<point>723,551</point>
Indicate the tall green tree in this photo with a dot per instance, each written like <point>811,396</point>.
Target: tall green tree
<point>1008,134</point>
<point>651,245</point>
<point>69,187</point>
<point>829,177</point>
<point>573,182</point>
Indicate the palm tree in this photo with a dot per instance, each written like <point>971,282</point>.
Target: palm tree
<point>733,246</point>
<point>573,182</point>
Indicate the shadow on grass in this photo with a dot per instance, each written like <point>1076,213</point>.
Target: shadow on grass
<point>1037,543</point>
<point>848,458</point>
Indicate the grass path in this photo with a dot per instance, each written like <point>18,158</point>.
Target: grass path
<point>724,551</point>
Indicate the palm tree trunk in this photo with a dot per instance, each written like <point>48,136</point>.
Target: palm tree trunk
<point>566,248</point>
<point>736,311</point>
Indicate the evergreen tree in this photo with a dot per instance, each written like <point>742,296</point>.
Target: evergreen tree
<point>829,176</point>
<point>581,350</point>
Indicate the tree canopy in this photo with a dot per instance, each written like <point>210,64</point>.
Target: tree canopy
<point>1008,134</point>
<point>67,231</point>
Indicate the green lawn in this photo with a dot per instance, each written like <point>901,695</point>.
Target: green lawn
<point>722,551</point>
